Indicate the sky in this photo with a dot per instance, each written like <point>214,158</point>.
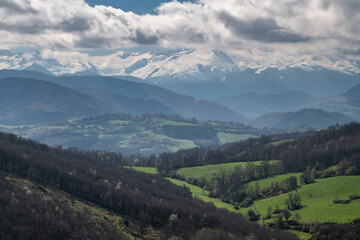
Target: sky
<point>277,28</point>
<point>137,6</point>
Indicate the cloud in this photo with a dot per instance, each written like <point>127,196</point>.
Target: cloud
<point>13,7</point>
<point>302,27</point>
<point>260,29</point>
<point>142,39</point>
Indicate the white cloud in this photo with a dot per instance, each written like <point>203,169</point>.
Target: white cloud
<point>296,27</point>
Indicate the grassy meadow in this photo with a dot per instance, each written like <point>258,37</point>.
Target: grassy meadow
<point>317,199</point>
<point>206,171</point>
<point>264,183</point>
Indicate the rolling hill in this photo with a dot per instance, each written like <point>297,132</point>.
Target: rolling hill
<point>347,103</point>
<point>254,105</point>
<point>136,106</point>
<point>186,106</point>
<point>214,89</point>
<point>30,101</point>
<point>305,118</point>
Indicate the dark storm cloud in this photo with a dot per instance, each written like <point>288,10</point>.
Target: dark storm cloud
<point>143,39</point>
<point>260,29</point>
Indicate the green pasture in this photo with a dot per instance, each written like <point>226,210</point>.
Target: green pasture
<point>206,171</point>
<point>232,137</point>
<point>264,183</point>
<point>203,195</point>
<point>317,199</point>
<point>150,170</point>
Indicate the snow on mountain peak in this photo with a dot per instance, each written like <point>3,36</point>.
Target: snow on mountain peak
<point>164,66</point>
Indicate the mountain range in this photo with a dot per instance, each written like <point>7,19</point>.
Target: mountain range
<point>254,105</point>
<point>163,66</point>
<point>115,95</point>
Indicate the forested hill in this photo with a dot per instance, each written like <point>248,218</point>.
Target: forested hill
<point>296,151</point>
<point>143,201</point>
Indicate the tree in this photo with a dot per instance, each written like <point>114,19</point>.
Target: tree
<point>293,201</point>
<point>307,177</point>
<point>287,214</point>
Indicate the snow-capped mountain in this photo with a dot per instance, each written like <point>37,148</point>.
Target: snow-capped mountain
<point>163,66</point>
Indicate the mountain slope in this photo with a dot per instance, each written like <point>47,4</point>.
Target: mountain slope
<point>319,82</point>
<point>121,103</point>
<point>254,105</point>
<point>347,103</point>
<point>184,105</point>
<point>149,201</point>
<point>309,118</point>
<point>30,101</point>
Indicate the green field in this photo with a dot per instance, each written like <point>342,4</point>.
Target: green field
<point>206,171</point>
<point>150,170</point>
<point>232,137</point>
<point>317,199</point>
<point>203,195</point>
<point>301,235</point>
<point>264,183</point>
<point>132,135</point>
<point>281,142</point>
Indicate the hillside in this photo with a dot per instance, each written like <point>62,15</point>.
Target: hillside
<point>254,105</point>
<point>347,103</point>
<point>305,118</point>
<point>214,89</point>
<point>136,106</point>
<point>184,105</point>
<point>136,202</point>
<point>30,101</point>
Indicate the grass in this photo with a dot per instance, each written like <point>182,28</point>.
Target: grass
<point>232,137</point>
<point>317,199</point>
<point>206,171</point>
<point>150,170</point>
<point>281,142</point>
<point>301,235</point>
<point>264,183</point>
<point>203,195</point>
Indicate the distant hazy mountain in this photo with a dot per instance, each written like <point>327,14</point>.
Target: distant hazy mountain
<point>319,82</point>
<point>186,65</point>
<point>184,105</point>
<point>347,103</point>
<point>121,103</point>
<point>254,105</point>
<point>30,101</point>
<point>305,118</point>
<point>215,89</point>
<point>202,90</point>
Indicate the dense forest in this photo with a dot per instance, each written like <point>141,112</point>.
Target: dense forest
<point>147,200</point>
